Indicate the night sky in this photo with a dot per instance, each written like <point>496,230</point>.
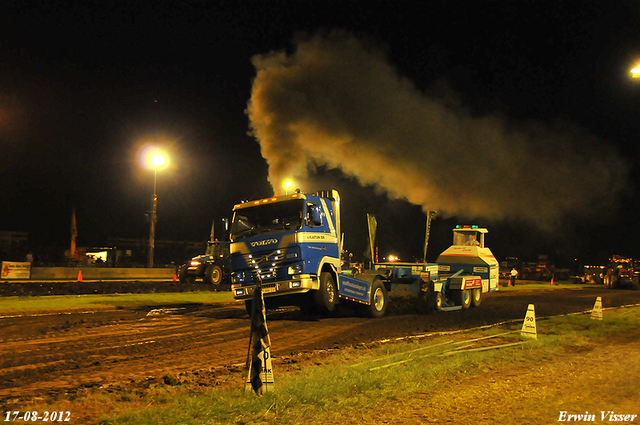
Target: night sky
<point>85,85</point>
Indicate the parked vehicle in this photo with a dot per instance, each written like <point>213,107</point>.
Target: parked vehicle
<point>622,272</point>
<point>212,267</point>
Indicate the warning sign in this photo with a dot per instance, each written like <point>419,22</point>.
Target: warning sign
<point>529,325</point>
<point>596,313</point>
<point>267,371</point>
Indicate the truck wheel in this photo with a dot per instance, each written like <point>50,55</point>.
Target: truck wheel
<point>378,299</point>
<point>476,297</point>
<point>326,298</point>
<point>213,274</point>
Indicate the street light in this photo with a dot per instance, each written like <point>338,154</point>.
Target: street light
<point>635,71</point>
<point>156,159</point>
<point>287,185</point>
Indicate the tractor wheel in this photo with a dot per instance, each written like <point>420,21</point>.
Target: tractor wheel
<point>213,274</point>
<point>184,276</point>
<point>476,297</point>
<point>615,282</point>
<point>326,298</point>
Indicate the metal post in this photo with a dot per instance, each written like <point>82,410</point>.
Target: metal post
<point>152,231</point>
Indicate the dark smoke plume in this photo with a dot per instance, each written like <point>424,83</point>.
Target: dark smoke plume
<point>336,101</point>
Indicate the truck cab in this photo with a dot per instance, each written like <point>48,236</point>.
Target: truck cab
<point>285,241</point>
<point>291,246</point>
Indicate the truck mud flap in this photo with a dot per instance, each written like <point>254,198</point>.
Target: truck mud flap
<point>353,289</point>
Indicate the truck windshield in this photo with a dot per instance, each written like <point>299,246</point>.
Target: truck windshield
<point>267,218</point>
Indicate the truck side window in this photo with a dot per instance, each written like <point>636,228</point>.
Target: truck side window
<point>314,215</point>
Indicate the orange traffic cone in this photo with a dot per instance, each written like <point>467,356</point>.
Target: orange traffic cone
<point>175,279</point>
<point>552,281</point>
<point>79,275</point>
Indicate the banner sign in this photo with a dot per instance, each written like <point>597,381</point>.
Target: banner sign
<point>15,270</point>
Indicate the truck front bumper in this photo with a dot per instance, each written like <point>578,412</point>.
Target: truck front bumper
<point>274,289</point>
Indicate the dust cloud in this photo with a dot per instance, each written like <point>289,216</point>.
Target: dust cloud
<point>336,101</point>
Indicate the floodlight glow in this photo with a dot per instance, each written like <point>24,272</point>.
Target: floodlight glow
<point>158,160</point>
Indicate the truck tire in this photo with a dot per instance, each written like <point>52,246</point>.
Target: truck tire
<point>184,276</point>
<point>378,300</point>
<point>213,274</point>
<point>476,297</point>
<point>326,298</point>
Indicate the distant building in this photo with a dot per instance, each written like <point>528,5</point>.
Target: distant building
<point>14,245</point>
<point>132,252</point>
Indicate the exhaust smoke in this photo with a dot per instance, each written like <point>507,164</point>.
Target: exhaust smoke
<point>336,101</point>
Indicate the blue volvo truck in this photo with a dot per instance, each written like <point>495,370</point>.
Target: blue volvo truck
<point>292,245</point>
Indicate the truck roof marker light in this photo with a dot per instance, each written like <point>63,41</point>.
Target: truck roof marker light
<point>256,202</point>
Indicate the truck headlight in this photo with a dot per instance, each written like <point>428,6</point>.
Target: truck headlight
<point>195,263</point>
<point>237,277</point>
<point>297,269</point>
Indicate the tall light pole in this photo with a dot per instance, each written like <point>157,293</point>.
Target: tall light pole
<point>157,160</point>
<point>287,185</point>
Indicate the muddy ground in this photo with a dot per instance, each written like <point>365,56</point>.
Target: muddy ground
<point>49,355</point>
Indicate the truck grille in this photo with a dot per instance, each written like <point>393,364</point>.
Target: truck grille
<point>266,264</point>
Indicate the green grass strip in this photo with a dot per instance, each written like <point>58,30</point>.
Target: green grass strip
<point>66,302</point>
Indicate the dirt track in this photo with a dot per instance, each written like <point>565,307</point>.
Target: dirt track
<point>71,353</point>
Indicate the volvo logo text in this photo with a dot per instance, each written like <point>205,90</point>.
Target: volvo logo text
<point>264,242</point>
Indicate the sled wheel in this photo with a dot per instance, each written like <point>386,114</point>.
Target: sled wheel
<point>476,297</point>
